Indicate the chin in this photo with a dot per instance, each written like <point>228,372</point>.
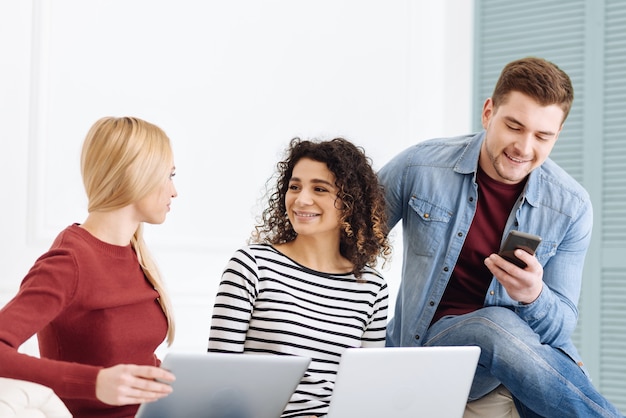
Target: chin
<point>155,221</point>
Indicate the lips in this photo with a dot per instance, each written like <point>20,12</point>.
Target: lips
<point>305,214</point>
<point>515,160</point>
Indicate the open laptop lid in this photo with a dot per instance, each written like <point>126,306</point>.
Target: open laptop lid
<point>403,382</point>
<point>216,385</point>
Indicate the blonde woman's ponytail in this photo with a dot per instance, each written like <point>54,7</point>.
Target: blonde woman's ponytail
<point>154,277</point>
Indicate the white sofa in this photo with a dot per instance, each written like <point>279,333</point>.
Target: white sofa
<point>21,399</point>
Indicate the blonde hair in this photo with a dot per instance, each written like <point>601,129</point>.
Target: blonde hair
<point>122,161</point>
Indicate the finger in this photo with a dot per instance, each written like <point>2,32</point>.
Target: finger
<point>148,386</point>
<point>502,270</point>
<point>498,265</point>
<point>155,373</point>
<point>523,255</point>
<point>137,396</point>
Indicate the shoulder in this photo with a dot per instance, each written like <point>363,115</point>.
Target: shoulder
<point>67,244</point>
<point>256,255</point>
<point>555,187</point>
<point>373,276</point>
<point>69,237</point>
<point>553,175</point>
<point>437,150</point>
<point>257,251</point>
<point>59,267</point>
<point>433,157</point>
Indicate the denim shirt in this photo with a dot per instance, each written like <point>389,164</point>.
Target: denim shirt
<point>432,187</point>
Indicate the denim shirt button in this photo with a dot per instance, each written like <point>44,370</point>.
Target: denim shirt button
<point>431,303</point>
<point>492,293</point>
<point>417,337</point>
<point>446,269</point>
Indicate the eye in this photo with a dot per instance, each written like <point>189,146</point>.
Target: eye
<point>320,190</point>
<point>513,128</point>
<point>172,175</point>
<point>293,187</point>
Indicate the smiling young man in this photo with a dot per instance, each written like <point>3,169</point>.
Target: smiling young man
<point>458,198</point>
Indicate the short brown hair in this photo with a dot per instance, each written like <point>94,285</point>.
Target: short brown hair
<point>537,78</point>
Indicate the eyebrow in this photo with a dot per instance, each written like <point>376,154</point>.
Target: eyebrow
<point>317,181</point>
<point>515,121</point>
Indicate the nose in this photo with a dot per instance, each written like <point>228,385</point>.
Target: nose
<point>525,144</point>
<point>304,198</point>
<point>174,191</point>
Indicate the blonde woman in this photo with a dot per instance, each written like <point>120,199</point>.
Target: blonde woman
<point>96,300</point>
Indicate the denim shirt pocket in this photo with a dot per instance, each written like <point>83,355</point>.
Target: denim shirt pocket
<point>429,225</point>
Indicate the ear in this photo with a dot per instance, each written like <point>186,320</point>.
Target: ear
<point>558,133</point>
<point>488,112</point>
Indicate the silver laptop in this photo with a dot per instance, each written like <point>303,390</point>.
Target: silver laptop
<point>216,385</point>
<point>403,382</point>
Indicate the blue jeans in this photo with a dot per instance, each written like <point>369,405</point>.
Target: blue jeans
<point>542,379</point>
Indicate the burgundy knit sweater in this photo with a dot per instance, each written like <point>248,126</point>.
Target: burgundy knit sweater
<point>91,307</point>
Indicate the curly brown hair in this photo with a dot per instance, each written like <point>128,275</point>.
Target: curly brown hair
<point>363,217</point>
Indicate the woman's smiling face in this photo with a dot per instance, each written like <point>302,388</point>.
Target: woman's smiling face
<point>311,200</point>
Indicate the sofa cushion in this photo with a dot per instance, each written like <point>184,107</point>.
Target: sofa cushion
<point>22,399</point>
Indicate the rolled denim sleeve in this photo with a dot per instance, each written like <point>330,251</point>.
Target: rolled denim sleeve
<point>554,315</point>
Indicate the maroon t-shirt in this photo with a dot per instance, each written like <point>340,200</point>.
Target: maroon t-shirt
<point>470,279</point>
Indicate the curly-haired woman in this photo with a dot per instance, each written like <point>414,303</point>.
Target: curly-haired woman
<point>306,285</point>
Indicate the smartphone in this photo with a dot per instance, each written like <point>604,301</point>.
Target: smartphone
<point>515,240</point>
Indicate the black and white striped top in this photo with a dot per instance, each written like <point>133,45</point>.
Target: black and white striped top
<point>268,303</point>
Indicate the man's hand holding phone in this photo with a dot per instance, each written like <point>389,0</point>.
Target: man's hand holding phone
<point>516,267</point>
<point>521,240</point>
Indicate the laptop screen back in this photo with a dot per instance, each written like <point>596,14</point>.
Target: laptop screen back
<point>404,382</point>
<point>216,385</point>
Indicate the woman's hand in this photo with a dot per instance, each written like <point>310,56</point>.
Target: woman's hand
<point>127,384</point>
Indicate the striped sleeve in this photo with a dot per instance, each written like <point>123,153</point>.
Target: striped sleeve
<point>234,303</point>
<point>374,335</point>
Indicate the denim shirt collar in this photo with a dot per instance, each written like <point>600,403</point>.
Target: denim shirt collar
<point>468,162</point>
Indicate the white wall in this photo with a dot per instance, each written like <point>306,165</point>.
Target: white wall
<point>231,82</point>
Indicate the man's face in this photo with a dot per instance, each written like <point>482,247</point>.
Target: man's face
<point>520,135</point>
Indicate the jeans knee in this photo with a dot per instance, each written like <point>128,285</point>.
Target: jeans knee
<point>493,329</point>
